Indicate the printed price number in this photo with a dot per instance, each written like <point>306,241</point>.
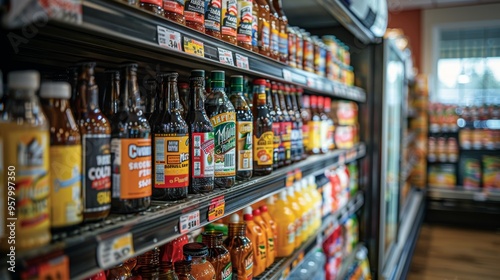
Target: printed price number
<point>290,177</point>
<point>242,61</point>
<point>216,208</point>
<point>226,57</point>
<point>55,269</point>
<point>287,75</point>
<point>194,47</point>
<point>115,250</point>
<point>189,221</point>
<point>169,39</point>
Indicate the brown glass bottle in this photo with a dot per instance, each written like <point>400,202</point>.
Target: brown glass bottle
<point>314,127</point>
<point>244,129</point>
<point>183,270</point>
<point>161,85</point>
<point>278,125</point>
<point>245,19</point>
<point>286,125</point>
<point>218,255</point>
<point>150,99</point>
<point>294,136</point>
<point>263,135</point>
<point>305,114</point>
<point>65,158</point>
<point>148,259</point>
<point>283,31</point>
<point>95,131</point>
<point>197,253</point>
<point>194,14</point>
<point>171,148</point>
<point>130,149</point>
<point>275,125</point>
<point>201,137</point>
<point>223,118</point>
<point>240,249</point>
<point>255,26</point>
<point>229,21</point>
<point>183,95</point>
<point>295,95</point>
<point>154,6</point>
<point>275,35</point>
<point>111,92</point>
<point>174,10</point>
<point>264,28</point>
<point>213,18</point>
<point>292,46</point>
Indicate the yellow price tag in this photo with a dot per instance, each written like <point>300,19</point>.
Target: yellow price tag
<point>194,47</point>
<point>216,208</point>
<point>115,250</point>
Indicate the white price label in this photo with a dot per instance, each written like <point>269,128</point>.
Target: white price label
<point>189,221</point>
<point>115,250</point>
<point>242,61</point>
<point>287,75</point>
<point>310,82</point>
<point>480,196</point>
<point>226,57</point>
<point>169,39</point>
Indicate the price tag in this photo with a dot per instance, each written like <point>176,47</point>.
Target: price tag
<point>242,61</point>
<point>57,268</point>
<point>216,208</point>
<point>168,38</point>
<point>189,221</point>
<point>290,176</point>
<point>480,196</point>
<point>63,10</point>
<point>194,47</point>
<point>287,75</point>
<point>310,82</point>
<point>298,174</point>
<point>115,250</point>
<point>226,57</point>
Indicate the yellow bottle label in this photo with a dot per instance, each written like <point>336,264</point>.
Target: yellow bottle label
<point>171,161</point>
<point>263,148</point>
<point>244,145</point>
<point>66,185</point>
<point>314,135</point>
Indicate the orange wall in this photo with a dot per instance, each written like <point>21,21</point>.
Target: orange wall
<point>410,22</point>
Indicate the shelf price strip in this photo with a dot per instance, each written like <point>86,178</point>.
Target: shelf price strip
<point>115,250</point>
<point>189,221</point>
<point>242,61</point>
<point>225,57</point>
<point>216,208</point>
<point>168,38</point>
<point>194,47</point>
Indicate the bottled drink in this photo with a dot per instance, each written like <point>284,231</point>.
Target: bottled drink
<point>259,240</point>
<point>65,157</point>
<point>95,131</point>
<point>245,18</point>
<point>263,135</point>
<point>183,270</point>
<point>269,236</point>
<point>278,125</point>
<point>223,118</point>
<point>264,28</point>
<point>270,224</point>
<point>298,213</point>
<point>240,249</point>
<point>305,114</point>
<point>292,46</point>
<point>330,126</point>
<point>174,10</point>
<point>323,142</point>
<point>183,95</point>
<point>194,14</point>
<point>299,48</point>
<point>197,253</point>
<point>286,126</point>
<point>294,96</point>
<point>218,255</point>
<point>111,93</point>
<point>314,127</point>
<point>229,20</point>
<point>161,85</point>
<point>130,149</point>
<point>285,223</point>
<point>255,26</point>
<point>294,135</point>
<point>201,137</point>
<point>244,130</point>
<point>274,27</point>
<point>171,147</point>
<point>213,17</point>
<point>24,154</point>
<point>283,33</point>
<point>150,99</point>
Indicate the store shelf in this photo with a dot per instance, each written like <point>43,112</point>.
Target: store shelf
<point>460,194</point>
<point>161,222</point>
<point>112,31</point>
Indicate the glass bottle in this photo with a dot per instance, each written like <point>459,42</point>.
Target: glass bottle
<point>150,99</point>
<point>330,127</point>
<point>197,253</point>
<point>213,18</point>
<point>275,125</point>
<point>65,158</point>
<point>244,29</point>
<point>323,142</point>
<point>263,135</point>
<point>73,81</point>
<point>24,153</point>
<point>223,118</point>
<point>159,109</point>
<point>154,6</point>
<point>255,26</point>
<point>201,137</point>
<point>305,114</point>
<point>283,33</point>
<point>183,95</point>
<point>278,125</point>
<point>295,120</point>
<point>194,14</point>
<point>294,96</point>
<point>240,249</point>
<point>171,147</point>
<point>264,28</point>
<point>308,51</point>
<point>166,272</point>
<point>286,126</point>
<point>111,93</point>
<point>183,270</point>
<point>274,27</point>
<point>299,49</point>
<point>174,11</point>
<point>314,127</point>
<point>292,46</point>
<point>149,259</point>
<point>95,131</point>
<point>218,255</point>
<point>244,129</point>
<point>229,21</point>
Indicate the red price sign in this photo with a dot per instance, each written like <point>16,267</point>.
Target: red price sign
<point>216,208</point>
<point>56,269</point>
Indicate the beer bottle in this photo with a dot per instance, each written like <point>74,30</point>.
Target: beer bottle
<point>201,137</point>
<point>95,131</point>
<point>161,85</point>
<point>314,127</point>
<point>294,136</point>
<point>275,125</point>
<point>130,149</point>
<point>286,126</point>
<point>244,130</point>
<point>171,147</point>
<point>65,157</point>
<point>263,135</point>
<point>297,111</point>
<point>305,114</point>
<point>183,95</point>
<point>278,125</point>
<point>111,93</point>
<point>150,99</point>
<point>223,118</point>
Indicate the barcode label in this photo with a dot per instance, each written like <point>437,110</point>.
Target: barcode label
<point>246,163</point>
<point>228,160</point>
<point>160,174</point>
<point>159,150</point>
<point>197,168</point>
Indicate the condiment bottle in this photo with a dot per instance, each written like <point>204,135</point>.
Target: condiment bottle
<point>171,147</point>
<point>292,46</point>
<point>330,126</point>
<point>278,125</point>
<point>201,137</point>
<point>111,93</point>
<point>130,149</point>
<point>213,18</point>
<point>314,127</point>
<point>119,272</point>
<point>274,27</point>
<point>294,95</point>
<point>305,114</point>
<point>150,99</point>
<point>149,259</point>
<point>223,118</point>
<point>264,28</point>
<point>197,253</point>
<point>95,131</point>
<point>283,32</point>
<point>229,21</point>
<point>263,135</point>
<point>194,14</point>
<point>255,26</point>
<point>244,130</point>
<point>269,235</point>
<point>299,49</point>
<point>154,6</point>
<point>174,10</point>
<point>244,29</point>
<point>286,126</point>
<point>183,270</point>
<point>308,52</point>
<point>294,135</point>
<point>240,249</point>
<point>65,158</point>
<point>218,255</point>
<point>270,224</point>
<point>24,152</point>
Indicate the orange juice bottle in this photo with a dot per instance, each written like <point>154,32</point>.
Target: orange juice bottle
<point>306,194</point>
<point>286,225</point>
<point>306,217</point>
<point>257,217</point>
<point>258,237</point>
<point>297,210</point>
<point>318,201</point>
<point>270,223</point>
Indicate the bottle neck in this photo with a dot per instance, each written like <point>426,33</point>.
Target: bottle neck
<point>112,105</point>
<point>171,100</point>
<point>212,241</point>
<point>217,85</point>
<point>236,229</point>
<point>129,97</point>
<point>89,91</point>
<point>197,94</point>
<point>295,104</point>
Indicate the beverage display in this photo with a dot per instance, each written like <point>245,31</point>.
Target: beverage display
<point>268,233</point>
<point>197,253</point>
<point>259,241</point>
<point>283,32</point>
<point>279,126</point>
<point>314,146</point>
<point>286,224</point>
<point>154,6</point>
<point>183,270</point>
<point>218,255</point>
<point>274,26</point>
<point>240,248</point>
<point>263,135</point>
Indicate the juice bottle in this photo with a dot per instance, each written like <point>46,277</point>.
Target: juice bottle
<point>245,19</point>
<point>299,217</point>
<point>308,199</point>
<point>213,17</point>
<point>259,240</point>
<point>263,135</point>
<point>268,233</point>
<point>241,249</point>
<point>197,253</point>
<point>65,156</point>
<point>229,21</point>
<point>306,218</point>
<point>270,223</point>
<point>218,255</point>
<point>285,223</point>
<point>317,198</point>
<point>24,162</point>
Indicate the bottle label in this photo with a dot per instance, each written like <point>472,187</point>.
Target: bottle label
<point>245,20</point>
<point>283,44</point>
<point>244,131</point>
<point>331,136</point>
<point>290,233</point>
<point>194,11</point>
<point>286,137</point>
<point>270,245</point>
<point>265,35</point>
<point>225,144</point>
<point>174,6</point>
<point>248,262</point>
<point>294,136</point>
<point>262,250</point>
<point>171,160</point>
<point>277,135</point>
<point>305,135</point>
<point>28,153</point>
<point>263,148</point>
<point>314,135</point>
<point>131,168</point>
<point>291,50</point>
<point>97,172</point>
<point>227,272</point>
<point>229,17</point>
<point>275,40</point>
<point>66,185</point>
<point>255,28</point>
<point>212,14</point>
<point>202,154</point>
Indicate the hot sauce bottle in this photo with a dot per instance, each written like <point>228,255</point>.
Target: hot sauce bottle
<point>264,28</point>
<point>194,14</point>
<point>218,255</point>
<point>171,148</point>
<point>229,21</point>
<point>263,135</point>
<point>240,248</point>
<point>130,149</point>
<point>213,17</point>
<point>286,126</point>
<point>245,18</point>
<point>294,136</point>
<point>274,27</point>
<point>174,10</point>
<point>255,26</point>
<point>283,32</point>
<point>278,126</point>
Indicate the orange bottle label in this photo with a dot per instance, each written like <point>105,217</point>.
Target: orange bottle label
<point>171,160</point>
<point>263,148</point>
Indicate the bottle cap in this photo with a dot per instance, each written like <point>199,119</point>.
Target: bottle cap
<point>195,249</point>
<point>270,200</point>
<point>61,90</point>
<point>29,79</point>
<point>282,195</point>
<point>237,80</point>
<point>247,217</point>
<point>263,209</point>
<point>274,86</point>
<point>260,82</point>
<point>247,210</point>
<point>281,86</point>
<point>235,218</point>
<point>256,212</point>
<point>217,76</point>
<point>198,73</point>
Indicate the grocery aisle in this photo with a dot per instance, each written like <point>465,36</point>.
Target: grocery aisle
<point>455,253</point>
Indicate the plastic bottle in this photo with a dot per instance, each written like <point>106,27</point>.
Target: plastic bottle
<point>229,21</point>
<point>270,222</point>
<point>259,240</point>
<point>318,201</point>
<point>245,19</point>
<point>286,225</point>
<point>268,233</point>
<point>308,199</point>
<point>299,214</point>
<point>241,249</point>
